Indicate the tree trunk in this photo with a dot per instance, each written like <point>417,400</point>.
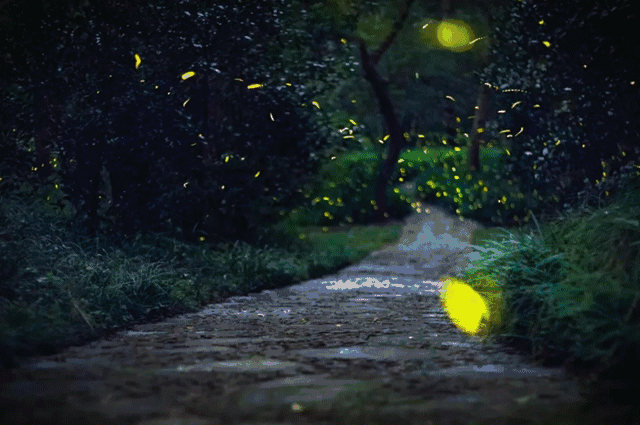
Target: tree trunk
<point>484,94</point>
<point>478,127</point>
<point>396,140</point>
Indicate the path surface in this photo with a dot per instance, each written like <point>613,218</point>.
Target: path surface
<point>370,344</point>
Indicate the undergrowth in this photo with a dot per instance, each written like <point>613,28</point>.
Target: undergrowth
<point>58,287</point>
<point>571,288</point>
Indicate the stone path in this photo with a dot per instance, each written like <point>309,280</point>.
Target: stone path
<point>368,345</point>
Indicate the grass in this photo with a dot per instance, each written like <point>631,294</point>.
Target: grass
<point>571,287</point>
<point>84,288</point>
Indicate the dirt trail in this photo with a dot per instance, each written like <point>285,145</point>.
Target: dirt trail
<point>368,345</point>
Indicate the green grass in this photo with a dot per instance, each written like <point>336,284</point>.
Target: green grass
<point>59,288</point>
<point>571,287</point>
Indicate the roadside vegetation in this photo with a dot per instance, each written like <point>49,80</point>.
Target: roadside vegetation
<point>59,287</point>
<point>567,291</point>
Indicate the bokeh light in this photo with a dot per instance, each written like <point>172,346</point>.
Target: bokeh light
<point>464,306</point>
<point>455,35</point>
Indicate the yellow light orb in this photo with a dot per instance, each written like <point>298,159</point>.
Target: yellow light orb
<point>455,35</point>
<point>464,306</point>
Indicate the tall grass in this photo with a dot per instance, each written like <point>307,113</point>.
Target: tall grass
<point>572,287</point>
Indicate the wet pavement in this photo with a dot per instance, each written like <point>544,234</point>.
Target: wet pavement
<point>368,344</point>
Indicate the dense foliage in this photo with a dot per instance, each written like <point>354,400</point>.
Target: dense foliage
<point>565,76</point>
<point>143,145</point>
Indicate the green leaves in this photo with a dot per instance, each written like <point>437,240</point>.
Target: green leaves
<point>572,81</point>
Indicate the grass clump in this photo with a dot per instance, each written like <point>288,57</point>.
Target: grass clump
<point>571,288</point>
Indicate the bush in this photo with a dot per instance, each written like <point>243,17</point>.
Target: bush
<point>343,193</point>
<point>571,288</point>
<point>484,195</point>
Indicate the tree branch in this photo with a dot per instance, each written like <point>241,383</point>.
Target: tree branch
<point>404,13</point>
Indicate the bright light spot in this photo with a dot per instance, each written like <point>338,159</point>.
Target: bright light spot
<point>316,104</point>
<point>138,60</point>
<point>454,35</point>
<point>516,104</point>
<point>546,43</point>
<point>254,86</point>
<point>188,75</point>
<point>521,130</point>
<point>477,39</point>
<point>271,115</point>
<point>343,41</point>
<point>541,22</point>
<point>450,98</point>
<point>185,102</point>
<point>257,174</point>
<point>464,306</point>
<point>353,122</point>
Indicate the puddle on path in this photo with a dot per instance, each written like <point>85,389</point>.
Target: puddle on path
<point>365,352</point>
<point>254,364</point>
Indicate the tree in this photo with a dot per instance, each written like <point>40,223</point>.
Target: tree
<point>179,114</point>
<point>566,74</point>
<point>397,139</point>
<point>380,24</point>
